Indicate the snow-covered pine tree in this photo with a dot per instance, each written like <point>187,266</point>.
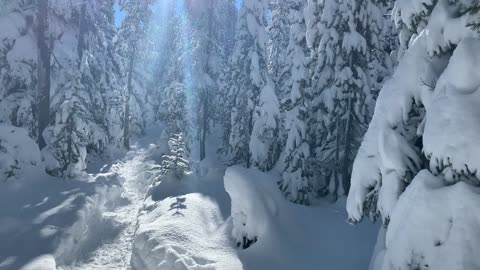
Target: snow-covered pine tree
<point>176,164</point>
<point>255,115</point>
<point>278,29</point>
<point>44,47</point>
<point>104,65</point>
<point>295,178</point>
<point>18,64</point>
<point>227,16</point>
<point>171,91</point>
<point>132,41</point>
<point>66,136</point>
<point>163,39</point>
<point>173,108</point>
<point>344,90</point>
<point>417,158</point>
<point>79,103</point>
<point>206,57</point>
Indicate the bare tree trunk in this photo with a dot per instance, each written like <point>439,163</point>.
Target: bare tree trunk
<point>44,54</point>
<point>203,136</point>
<point>126,121</point>
<point>348,141</point>
<point>337,161</point>
<point>204,101</point>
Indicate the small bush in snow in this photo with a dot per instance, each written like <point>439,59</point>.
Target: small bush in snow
<point>175,164</point>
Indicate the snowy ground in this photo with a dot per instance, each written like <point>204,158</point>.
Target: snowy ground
<point>104,221</point>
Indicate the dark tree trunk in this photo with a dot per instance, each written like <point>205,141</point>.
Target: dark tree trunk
<point>44,54</point>
<point>126,123</point>
<point>345,169</point>
<point>204,128</point>
<point>337,161</point>
<point>204,101</point>
<point>348,143</point>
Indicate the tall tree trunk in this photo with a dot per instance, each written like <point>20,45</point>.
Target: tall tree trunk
<point>204,127</point>
<point>337,161</point>
<point>203,136</point>
<point>44,54</point>
<point>348,143</point>
<point>126,121</point>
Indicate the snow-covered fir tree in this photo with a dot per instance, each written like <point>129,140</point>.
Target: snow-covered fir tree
<point>343,90</point>
<point>295,181</point>
<point>172,108</point>
<point>206,64</point>
<point>417,158</point>
<point>132,46</point>
<point>83,36</point>
<point>278,30</point>
<point>18,64</point>
<point>175,164</point>
<point>255,115</point>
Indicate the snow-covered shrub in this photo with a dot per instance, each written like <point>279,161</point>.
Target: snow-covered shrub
<point>17,151</point>
<point>175,164</point>
<point>254,200</point>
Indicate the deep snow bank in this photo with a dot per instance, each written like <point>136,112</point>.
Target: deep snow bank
<point>254,206</point>
<point>291,236</point>
<point>434,226</point>
<point>182,232</point>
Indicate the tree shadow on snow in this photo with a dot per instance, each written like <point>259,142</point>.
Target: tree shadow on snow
<point>177,206</point>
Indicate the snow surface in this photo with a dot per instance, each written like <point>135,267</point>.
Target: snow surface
<point>292,236</point>
<point>434,221</point>
<point>102,220</point>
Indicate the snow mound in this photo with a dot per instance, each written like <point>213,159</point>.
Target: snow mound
<point>434,226</point>
<point>44,262</point>
<point>291,236</point>
<point>17,151</point>
<point>252,217</point>
<point>182,233</point>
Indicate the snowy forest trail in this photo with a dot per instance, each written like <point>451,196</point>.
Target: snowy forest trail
<point>133,173</point>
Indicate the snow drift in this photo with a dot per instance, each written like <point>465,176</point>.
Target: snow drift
<point>182,233</point>
<point>291,236</point>
<point>434,226</point>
